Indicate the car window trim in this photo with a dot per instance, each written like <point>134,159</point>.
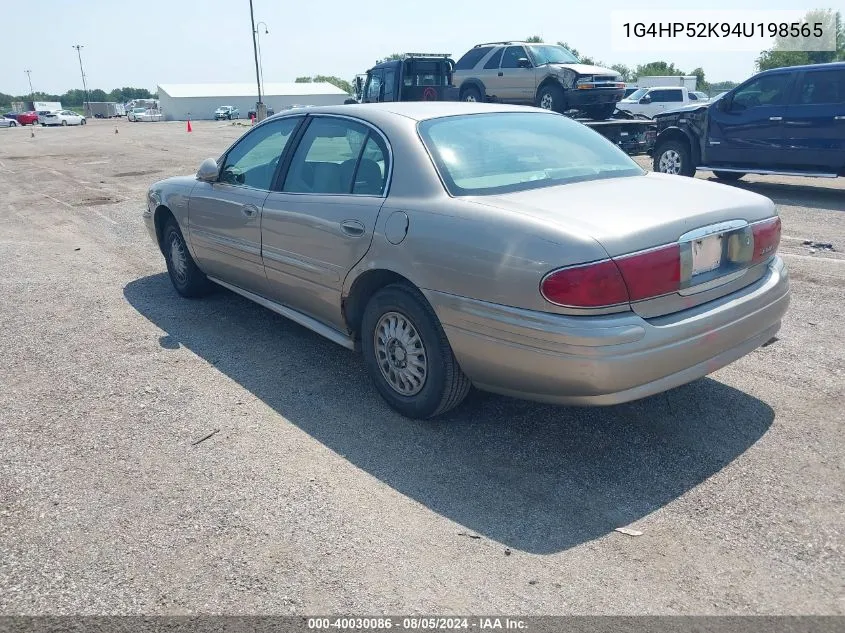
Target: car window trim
<point>279,182</point>
<point>222,160</point>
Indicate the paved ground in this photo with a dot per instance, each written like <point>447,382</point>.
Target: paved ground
<point>315,497</point>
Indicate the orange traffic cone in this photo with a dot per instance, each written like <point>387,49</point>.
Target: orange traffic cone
<point>189,125</point>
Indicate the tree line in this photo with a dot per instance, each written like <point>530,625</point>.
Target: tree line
<point>77,97</point>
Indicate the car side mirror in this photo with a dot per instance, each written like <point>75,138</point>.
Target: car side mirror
<point>725,104</point>
<point>646,99</point>
<point>523,62</point>
<point>208,171</point>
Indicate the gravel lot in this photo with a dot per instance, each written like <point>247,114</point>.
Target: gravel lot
<point>315,497</point>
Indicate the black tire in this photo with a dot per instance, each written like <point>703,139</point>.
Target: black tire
<point>551,97</point>
<point>64,123</point>
<point>444,385</point>
<point>673,157</point>
<point>600,113</point>
<point>193,282</point>
<point>13,124</point>
<point>728,175</point>
<point>82,122</point>
<point>471,93</point>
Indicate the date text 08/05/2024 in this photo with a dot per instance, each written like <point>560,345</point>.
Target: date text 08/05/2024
<point>416,623</point>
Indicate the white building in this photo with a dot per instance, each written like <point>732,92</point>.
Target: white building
<point>179,102</point>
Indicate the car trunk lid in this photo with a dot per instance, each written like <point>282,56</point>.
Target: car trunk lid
<point>711,227</point>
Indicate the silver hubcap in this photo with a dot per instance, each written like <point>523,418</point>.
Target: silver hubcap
<point>178,258</point>
<point>470,97</point>
<point>400,354</point>
<point>670,162</point>
<point>546,101</point>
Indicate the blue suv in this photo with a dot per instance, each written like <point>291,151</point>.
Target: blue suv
<point>787,121</point>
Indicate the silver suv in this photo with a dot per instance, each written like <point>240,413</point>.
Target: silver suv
<point>544,75</point>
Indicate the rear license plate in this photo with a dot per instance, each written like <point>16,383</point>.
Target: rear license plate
<point>706,254</point>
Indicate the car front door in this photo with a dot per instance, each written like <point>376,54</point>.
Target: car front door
<point>746,126</point>
<point>318,222</point>
<point>517,83</point>
<point>375,84</point>
<point>814,124</point>
<point>225,216</point>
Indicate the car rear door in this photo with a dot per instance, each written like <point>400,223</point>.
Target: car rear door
<point>746,126</point>
<point>318,221</point>
<point>664,99</point>
<point>814,124</point>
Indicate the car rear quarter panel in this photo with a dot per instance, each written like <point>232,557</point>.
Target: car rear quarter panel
<point>173,194</point>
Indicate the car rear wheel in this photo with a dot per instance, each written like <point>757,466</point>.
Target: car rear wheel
<point>471,94</point>
<point>673,157</point>
<point>12,124</point>
<point>64,123</point>
<point>728,175</point>
<point>551,97</point>
<point>408,356</point>
<point>186,277</point>
<point>82,122</point>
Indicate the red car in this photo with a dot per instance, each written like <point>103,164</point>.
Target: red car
<point>28,118</point>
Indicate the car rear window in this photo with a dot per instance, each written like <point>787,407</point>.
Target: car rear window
<point>503,152</point>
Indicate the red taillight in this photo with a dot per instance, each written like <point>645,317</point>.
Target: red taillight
<point>652,273</point>
<point>766,239</point>
<point>611,282</point>
<point>588,286</point>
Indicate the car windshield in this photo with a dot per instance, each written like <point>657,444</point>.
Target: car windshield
<point>549,54</point>
<point>637,94</point>
<point>502,152</point>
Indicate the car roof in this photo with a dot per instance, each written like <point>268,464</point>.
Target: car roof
<point>829,65</point>
<point>416,110</point>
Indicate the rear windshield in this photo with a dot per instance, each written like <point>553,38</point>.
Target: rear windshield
<point>426,73</point>
<point>503,152</point>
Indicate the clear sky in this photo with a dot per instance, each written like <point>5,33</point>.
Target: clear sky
<point>142,43</point>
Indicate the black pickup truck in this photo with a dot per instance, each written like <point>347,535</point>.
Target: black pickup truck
<point>788,121</point>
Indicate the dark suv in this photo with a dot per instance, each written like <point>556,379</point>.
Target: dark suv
<point>781,121</point>
<point>544,75</point>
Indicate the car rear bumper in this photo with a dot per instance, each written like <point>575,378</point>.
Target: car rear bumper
<point>609,359</point>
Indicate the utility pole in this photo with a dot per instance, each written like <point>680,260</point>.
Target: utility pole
<point>31,91</point>
<point>79,48</point>
<point>260,108</point>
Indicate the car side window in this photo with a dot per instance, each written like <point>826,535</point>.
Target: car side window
<point>666,96</point>
<point>374,87</point>
<point>493,62</point>
<point>337,156</point>
<point>822,87</point>
<point>768,90</point>
<point>472,57</point>
<point>389,80</point>
<point>510,58</point>
<point>253,161</point>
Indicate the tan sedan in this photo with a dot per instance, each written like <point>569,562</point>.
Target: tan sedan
<point>459,244</point>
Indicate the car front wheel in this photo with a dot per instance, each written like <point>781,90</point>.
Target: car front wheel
<point>186,277</point>
<point>551,97</point>
<point>408,356</point>
<point>673,157</point>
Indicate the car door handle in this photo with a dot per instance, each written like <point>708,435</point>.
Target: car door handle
<point>775,118</point>
<point>839,118</point>
<point>249,210</point>
<point>352,227</point>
